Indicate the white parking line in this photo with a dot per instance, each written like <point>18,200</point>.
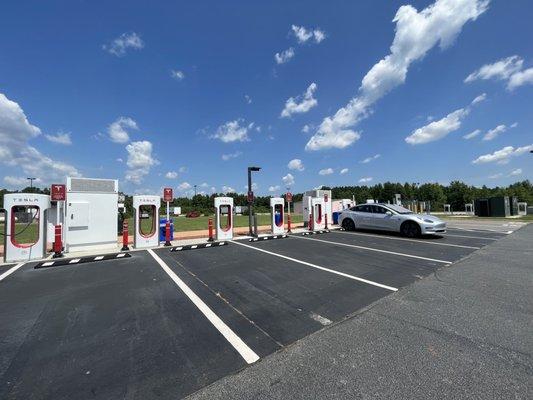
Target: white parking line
<point>376,250</point>
<point>471,237</point>
<point>474,229</point>
<point>238,344</point>
<point>407,240</point>
<point>10,271</point>
<point>356,278</point>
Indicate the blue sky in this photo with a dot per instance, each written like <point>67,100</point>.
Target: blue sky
<point>175,94</point>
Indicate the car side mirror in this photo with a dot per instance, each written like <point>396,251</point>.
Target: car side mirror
<point>389,213</point>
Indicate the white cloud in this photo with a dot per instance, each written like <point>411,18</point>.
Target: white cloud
<point>117,130</point>
<point>493,133</point>
<point>228,189</point>
<point>326,171</point>
<point>306,128</point>
<point>229,156</point>
<point>514,125</point>
<point>344,171</point>
<point>516,172</point>
<point>248,99</point>
<point>284,56</point>
<point>177,74</point>
<point>60,138</point>
<point>369,159</point>
<point>171,175</point>
<point>15,150</point>
<point>296,165</point>
<point>182,170</point>
<point>288,180</point>
<point>303,35</point>
<point>140,161</point>
<point>416,34</point>
<point>507,69</point>
<point>480,98</point>
<point>472,134</point>
<point>232,131</point>
<point>366,179</point>
<point>438,129</point>
<point>274,188</point>
<point>184,186</point>
<point>307,102</point>
<point>20,181</point>
<point>503,155</point>
<point>120,45</point>
<point>496,176</point>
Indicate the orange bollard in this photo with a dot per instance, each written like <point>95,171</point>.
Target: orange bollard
<point>210,227</point>
<point>310,223</point>
<point>326,221</point>
<point>58,246</point>
<point>167,234</point>
<point>125,236</point>
<point>289,223</point>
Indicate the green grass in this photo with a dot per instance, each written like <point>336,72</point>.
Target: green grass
<point>181,224</point>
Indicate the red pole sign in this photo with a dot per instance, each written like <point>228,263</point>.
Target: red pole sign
<point>326,198</point>
<point>167,194</point>
<point>250,197</point>
<point>58,192</point>
<point>288,197</point>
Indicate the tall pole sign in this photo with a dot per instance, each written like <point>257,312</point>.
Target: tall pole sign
<point>168,197</point>
<point>58,193</point>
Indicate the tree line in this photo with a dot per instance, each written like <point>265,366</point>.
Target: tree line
<point>457,194</point>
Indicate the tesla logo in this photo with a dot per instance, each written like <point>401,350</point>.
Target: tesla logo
<point>58,193</point>
<point>167,194</point>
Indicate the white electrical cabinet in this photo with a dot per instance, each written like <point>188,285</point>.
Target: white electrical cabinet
<point>306,204</point>
<point>91,219</point>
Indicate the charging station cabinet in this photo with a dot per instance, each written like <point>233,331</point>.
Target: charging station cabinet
<point>224,218</point>
<point>146,221</point>
<point>318,213</point>
<point>25,220</point>
<point>277,215</point>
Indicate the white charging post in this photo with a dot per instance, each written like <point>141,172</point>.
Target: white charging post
<point>277,215</point>
<point>224,218</point>
<point>22,211</point>
<point>317,213</point>
<point>144,208</point>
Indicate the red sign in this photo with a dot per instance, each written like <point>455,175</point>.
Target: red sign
<point>325,198</point>
<point>250,197</point>
<point>58,192</point>
<point>288,197</point>
<point>167,194</point>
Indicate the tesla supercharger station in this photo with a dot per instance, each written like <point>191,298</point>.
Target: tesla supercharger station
<point>146,209</point>
<point>277,215</point>
<point>318,210</point>
<point>25,215</point>
<point>224,218</point>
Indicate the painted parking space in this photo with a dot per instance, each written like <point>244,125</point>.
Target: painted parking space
<point>379,266</point>
<point>285,299</point>
<point>112,329</point>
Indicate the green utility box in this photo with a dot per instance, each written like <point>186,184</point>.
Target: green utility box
<point>500,206</point>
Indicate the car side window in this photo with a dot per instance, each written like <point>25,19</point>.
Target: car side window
<point>354,208</point>
<point>365,209</point>
<point>378,210</point>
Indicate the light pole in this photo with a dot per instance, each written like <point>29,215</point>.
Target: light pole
<point>251,197</point>
<point>31,183</point>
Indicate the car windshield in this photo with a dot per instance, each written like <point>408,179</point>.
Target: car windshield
<point>399,209</point>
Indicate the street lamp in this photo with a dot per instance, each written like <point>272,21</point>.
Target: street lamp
<point>251,197</point>
<point>31,182</point>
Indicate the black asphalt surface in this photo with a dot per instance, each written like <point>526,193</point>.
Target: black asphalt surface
<point>5,267</point>
<point>124,329</point>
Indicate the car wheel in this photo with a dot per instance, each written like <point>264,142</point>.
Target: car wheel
<point>348,224</point>
<point>410,229</point>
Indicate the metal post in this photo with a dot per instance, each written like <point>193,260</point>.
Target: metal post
<point>250,204</point>
<point>255,226</point>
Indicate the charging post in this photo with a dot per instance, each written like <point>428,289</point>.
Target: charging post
<point>58,193</point>
<point>167,197</point>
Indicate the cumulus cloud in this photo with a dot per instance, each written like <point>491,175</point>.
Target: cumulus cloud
<point>436,130</point>
<point>140,161</point>
<point>228,189</point>
<point>503,155</point>
<point>369,159</point>
<point>366,179</point>
<point>416,34</point>
<point>300,104</point>
<point>184,186</point>
<point>15,151</point>
<point>325,171</point>
<point>288,180</point>
<point>248,99</point>
<point>296,165</point>
<point>344,171</point>
<point>493,133</point>
<point>177,74</point>
<point>19,181</point>
<point>60,138</point>
<point>274,188</point>
<point>303,35</point>
<point>472,134</point>
<point>508,69</point>
<point>306,128</point>
<point>515,172</point>
<point>229,156</point>
<point>171,175</point>
<point>121,44</point>
<point>118,130</point>
<point>284,56</point>
<point>232,131</point>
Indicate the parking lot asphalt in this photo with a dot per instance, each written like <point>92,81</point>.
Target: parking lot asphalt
<point>165,324</point>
